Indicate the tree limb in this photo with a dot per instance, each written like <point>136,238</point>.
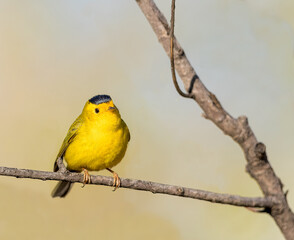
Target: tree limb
<point>260,202</point>
<point>238,129</point>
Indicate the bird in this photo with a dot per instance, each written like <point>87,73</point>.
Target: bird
<point>96,140</point>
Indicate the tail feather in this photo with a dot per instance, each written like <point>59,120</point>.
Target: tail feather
<point>61,190</point>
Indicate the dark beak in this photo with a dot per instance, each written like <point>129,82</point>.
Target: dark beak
<point>111,108</point>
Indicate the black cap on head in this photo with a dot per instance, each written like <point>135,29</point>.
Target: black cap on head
<point>100,99</point>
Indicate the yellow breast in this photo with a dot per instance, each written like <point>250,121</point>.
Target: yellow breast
<point>98,145</point>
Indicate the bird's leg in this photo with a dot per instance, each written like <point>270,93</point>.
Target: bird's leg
<point>116,179</point>
<point>87,178</point>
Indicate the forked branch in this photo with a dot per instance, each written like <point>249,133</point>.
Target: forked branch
<point>238,129</point>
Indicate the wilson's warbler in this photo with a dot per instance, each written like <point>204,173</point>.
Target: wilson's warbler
<point>96,140</point>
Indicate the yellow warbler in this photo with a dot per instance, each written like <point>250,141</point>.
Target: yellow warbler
<point>96,140</point>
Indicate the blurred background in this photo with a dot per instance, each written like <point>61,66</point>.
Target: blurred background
<point>55,55</point>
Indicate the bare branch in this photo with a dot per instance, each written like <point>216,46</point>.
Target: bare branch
<point>259,202</point>
<point>238,129</point>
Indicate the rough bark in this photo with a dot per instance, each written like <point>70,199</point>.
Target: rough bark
<point>238,129</point>
<point>264,202</point>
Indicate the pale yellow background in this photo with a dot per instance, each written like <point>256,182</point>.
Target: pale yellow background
<point>54,55</point>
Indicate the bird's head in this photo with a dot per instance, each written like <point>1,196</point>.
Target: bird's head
<point>100,106</point>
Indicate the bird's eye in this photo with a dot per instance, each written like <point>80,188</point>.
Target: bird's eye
<point>96,110</point>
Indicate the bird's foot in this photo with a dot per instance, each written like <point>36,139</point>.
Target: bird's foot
<point>116,179</point>
<point>87,178</point>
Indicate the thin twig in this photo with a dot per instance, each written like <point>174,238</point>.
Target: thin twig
<point>172,62</point>
<point>143,186</point>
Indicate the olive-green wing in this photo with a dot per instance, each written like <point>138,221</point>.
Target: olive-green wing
<point>72,132</point>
